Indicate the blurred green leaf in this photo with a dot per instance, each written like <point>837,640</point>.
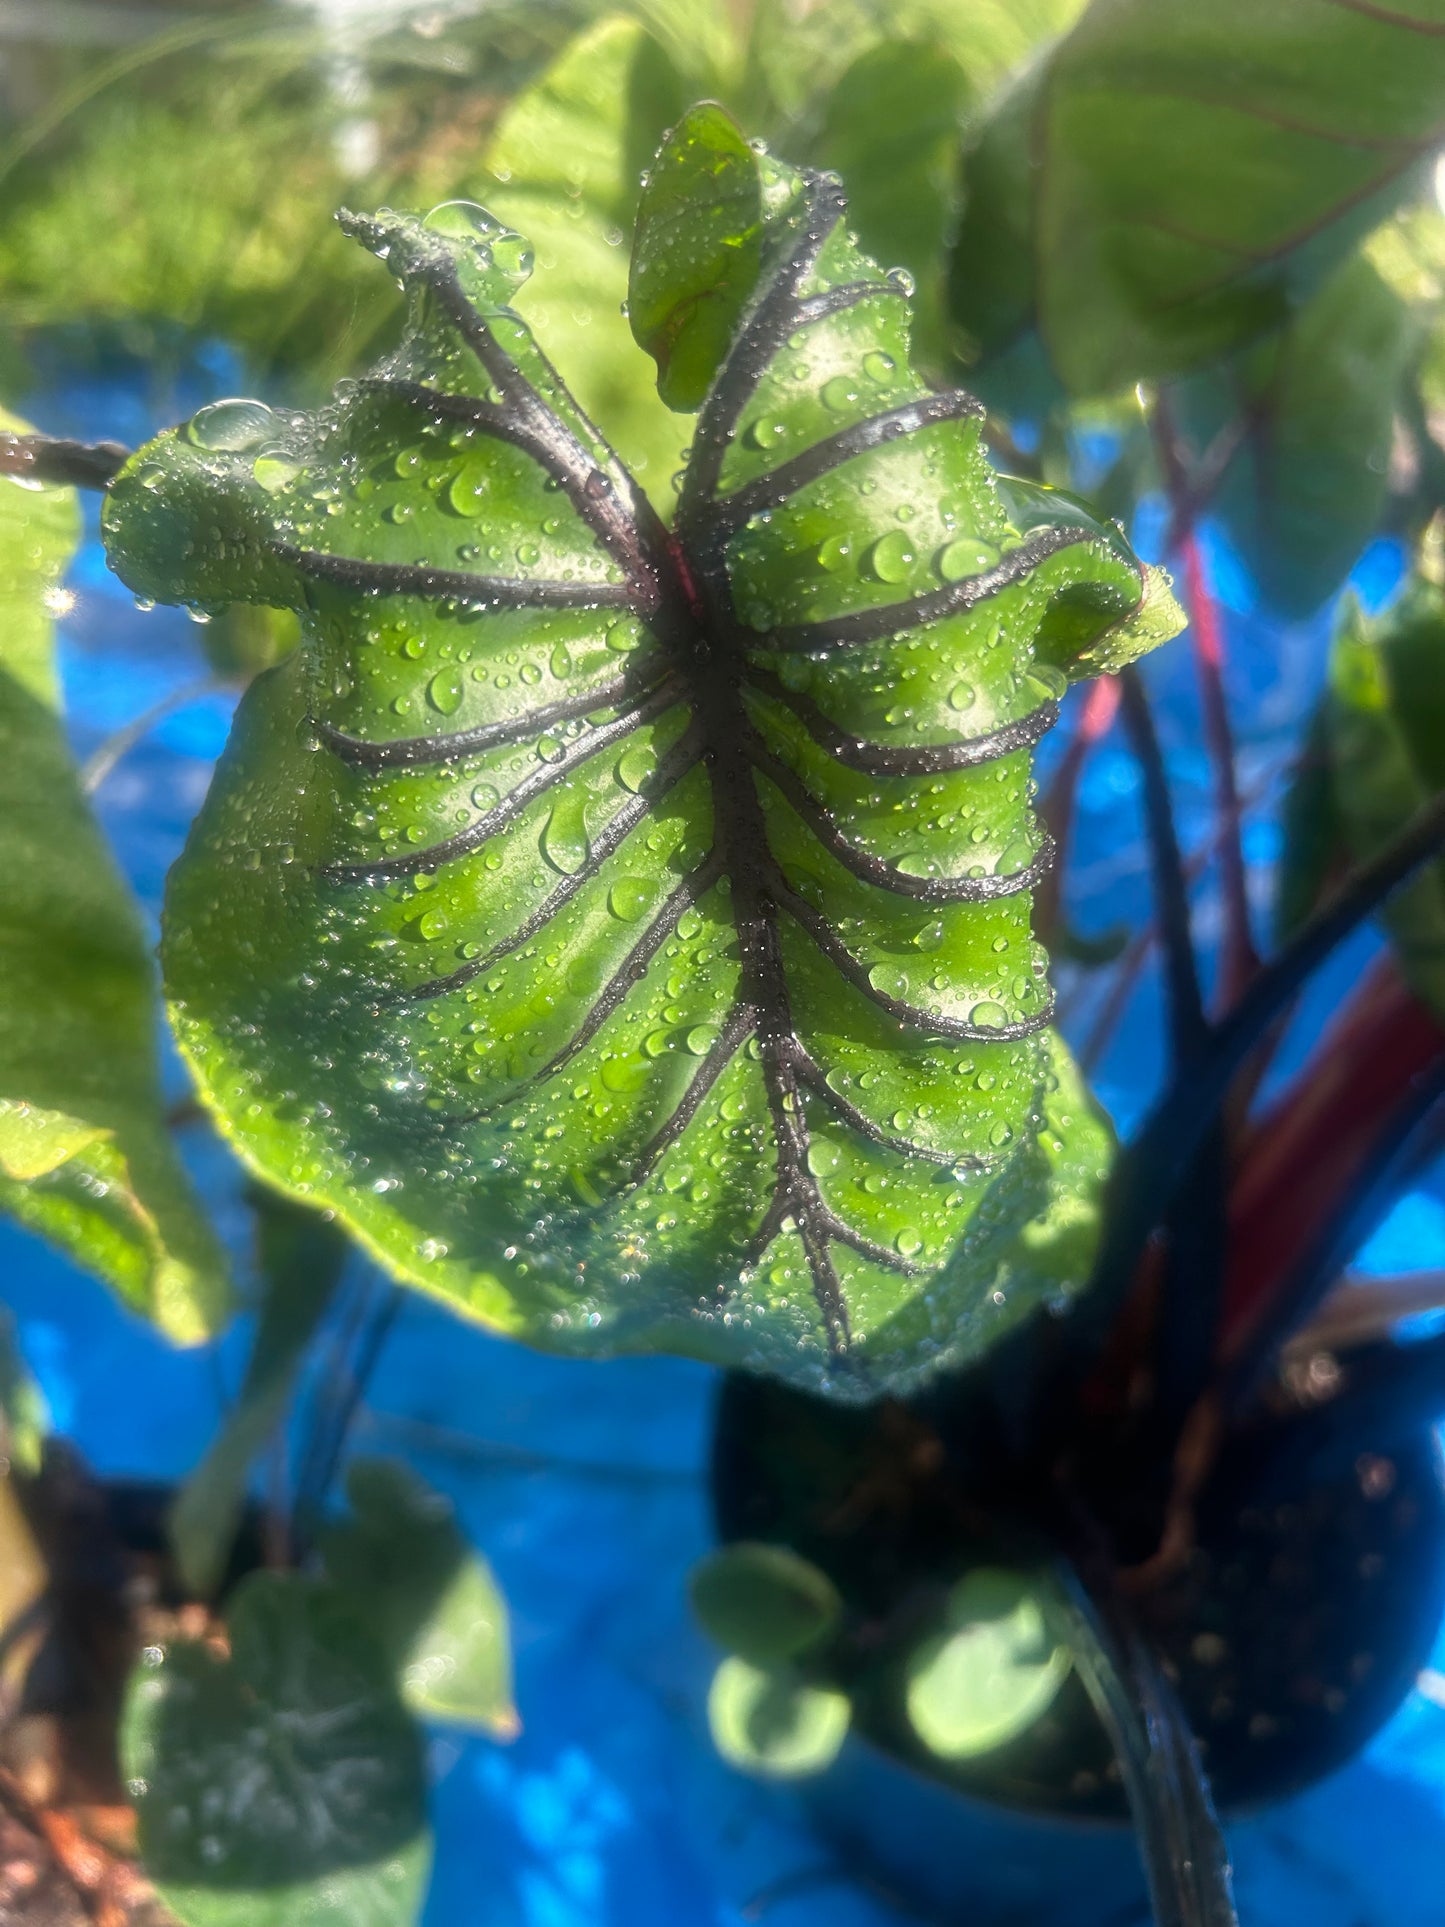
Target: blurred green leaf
<point>85,1156</point>
<point>992,268</point>
<point>697,252</point>
<point>279,1784</point>
<point>1314,408</point>
<point>1200,169</point>
<point>773,1724</point>
<point>431,1600</point>
<point>992,1670</point>
<point>890,128</point>
<point>179,184</point>
<point>565,169</point>
<point>1385,711</point>
<point>300,1256</point>
<point>763,1603</point>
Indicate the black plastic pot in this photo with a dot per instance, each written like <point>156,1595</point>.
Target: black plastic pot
<point>1291,1632</point>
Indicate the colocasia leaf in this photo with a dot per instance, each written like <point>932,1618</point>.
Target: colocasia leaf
<point>1315,408</point>
<point>626,930</point>
<point>1176,177</point>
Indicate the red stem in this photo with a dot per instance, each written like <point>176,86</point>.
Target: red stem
<point>1303,1154</point>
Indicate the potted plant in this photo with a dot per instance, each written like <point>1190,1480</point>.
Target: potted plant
<point>624,915</point>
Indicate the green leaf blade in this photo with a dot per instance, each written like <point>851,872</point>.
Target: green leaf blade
<point>1304,490</point>
<point>764,1603</point>
<point>643,943</point>
<point>992,1670</point>
<point>1385,762</point>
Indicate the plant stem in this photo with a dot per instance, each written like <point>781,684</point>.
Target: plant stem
<point>1188,495</point>
<point>60,463</point>
<point>1196,1224</point>
<point>1148,1174</point>
<point>1187,1024</point>
<point>1186,1862</point>
<point>102,760</point>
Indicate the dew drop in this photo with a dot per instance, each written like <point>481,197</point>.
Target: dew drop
<point>635,766</point>
<point>231,427</point>
<point>469,488</point>
<point>833,553</point>
<point>963,557</point>
<point>766,432</point>
<point>878,366</point>
<point>988,1016</point>
<point>274,472</point>
<point>564,840</point>
<point>628,898</point>
<point>840,393</point>
<point>444,691</point>
<point>891,557</point>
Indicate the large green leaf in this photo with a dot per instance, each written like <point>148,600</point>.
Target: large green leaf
<point>402,1560</point>
<point>1193,170</point>
<point>85,1157</point>
<point>1316,406</point>
<point>279,1785</point>
<point>629,934</point>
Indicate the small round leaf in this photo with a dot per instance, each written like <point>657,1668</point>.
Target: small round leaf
<point>771,1724</point>
<point>282,1784</point>
<point>992,1671</point>
<point>763,1603</point>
